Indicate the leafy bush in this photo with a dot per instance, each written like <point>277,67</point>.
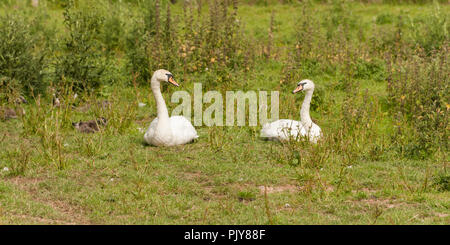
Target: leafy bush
<point>370,69</point>
<point>431,31</point>
<point>442,182</point>
<point>20,58</point>
<point>113,30</point>
<point>384,18</point>
<point>190,45</point>
<point>82,61</point>
<point>419,93</point>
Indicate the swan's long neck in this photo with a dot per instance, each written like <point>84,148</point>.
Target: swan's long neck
<point>163,114</point>
<point>305,118</point>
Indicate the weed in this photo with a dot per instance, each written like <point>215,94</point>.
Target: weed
<point>442,182</point>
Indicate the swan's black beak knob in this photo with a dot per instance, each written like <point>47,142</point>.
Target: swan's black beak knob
<point>171,80</point>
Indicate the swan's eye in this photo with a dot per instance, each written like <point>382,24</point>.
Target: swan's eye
<point>171,79</point>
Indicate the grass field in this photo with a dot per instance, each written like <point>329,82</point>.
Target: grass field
<point>362,173</point>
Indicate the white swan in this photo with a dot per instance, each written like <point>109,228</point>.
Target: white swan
<point>165,131</point>
<point>286,129</point>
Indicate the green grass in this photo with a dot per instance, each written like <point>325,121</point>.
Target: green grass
<point>127,182</point>
<point>112,177</point>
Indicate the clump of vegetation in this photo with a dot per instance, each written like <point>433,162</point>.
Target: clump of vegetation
<point>431,32</point>
<point>19,161</point>
<point>211,44</point>
<point>419,94</point>
<point>82,60</point>
<point>22,62</point>
<point>442,182</point>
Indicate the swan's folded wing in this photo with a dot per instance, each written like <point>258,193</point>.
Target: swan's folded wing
<point>282,129</point>
<point>151,131</point>
<point>315,133</point>
<point>182,129</point>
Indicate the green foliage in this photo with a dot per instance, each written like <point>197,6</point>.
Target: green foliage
<point>20,59</point>
<point>113,30</point>
<point>212,44</point>
<point>82,60</point>
<point>384,18</point>
<point>370,69</point>
<point>246,196</point>
<point>19,161</point>
<point>419,94</point>
<point>432,31</point>
<point>144,27</point>
<point>442,182</point>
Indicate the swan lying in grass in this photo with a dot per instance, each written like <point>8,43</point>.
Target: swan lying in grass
<point>286,129</point>
<point>165,131</point>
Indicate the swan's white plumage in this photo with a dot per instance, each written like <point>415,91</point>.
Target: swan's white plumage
<point>165,131</point>
<point>286,129</point>
<point>182,132</point>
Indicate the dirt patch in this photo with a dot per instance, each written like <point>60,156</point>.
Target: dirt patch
<point>365,190</point>
<point>23,181</point>
<point>383,203</point>
<point>277,189</point>
<point>71,214</point>
<point>199,177</point>
<point>40,220</point>
<point>441,215</point>
<point>193,175</point>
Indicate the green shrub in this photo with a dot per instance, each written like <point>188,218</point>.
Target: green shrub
<point>370,69</point>
<point>82,61</point>
<point>20,57</point>
<point>442,182</point>
<point>137,41</point>
<point>212,43</point>
<point>419,92</point>
<point>431,31</point>
<point>384,18</point>
<point>113,30</point>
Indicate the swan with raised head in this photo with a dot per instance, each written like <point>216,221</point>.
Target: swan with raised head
<point>286,129</point>
<point>165,130</point>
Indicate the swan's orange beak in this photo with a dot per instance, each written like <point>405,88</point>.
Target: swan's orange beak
<point>172,81</point>
<point>298,89</point>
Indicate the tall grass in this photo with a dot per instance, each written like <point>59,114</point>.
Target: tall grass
<point>206,41</point>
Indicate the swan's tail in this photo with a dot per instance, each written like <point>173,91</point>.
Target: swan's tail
<point>265,131</point>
